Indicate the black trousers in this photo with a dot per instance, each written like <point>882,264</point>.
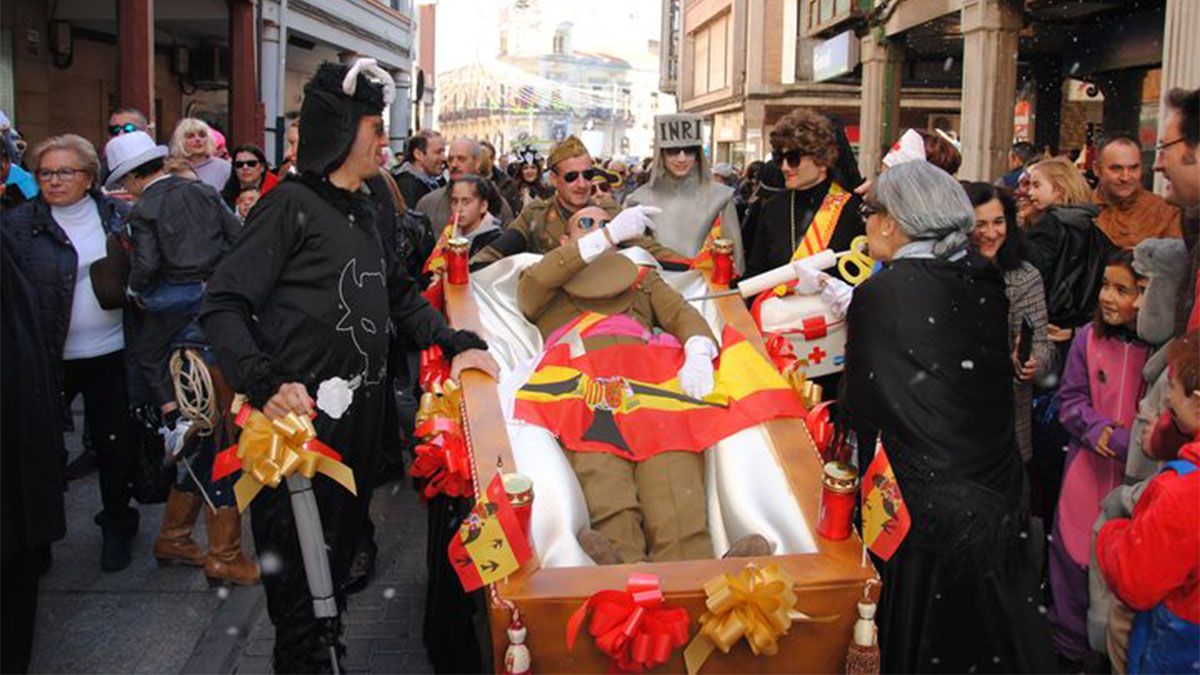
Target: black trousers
<point>18,608</point>
<point>101,381</point>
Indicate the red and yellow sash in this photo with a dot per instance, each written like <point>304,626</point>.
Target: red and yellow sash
<point>820,231</point>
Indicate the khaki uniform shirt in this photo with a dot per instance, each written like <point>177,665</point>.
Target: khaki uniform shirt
<point>544,222</point>
<point>561,286</point>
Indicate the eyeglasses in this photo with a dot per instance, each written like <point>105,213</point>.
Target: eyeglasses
<point>671,152</point>
<point>118,129</point>
<point>1160,146</point>
<point>867,210</point>
<point>791,157</point>
<point>587,222</point>
<point>572,176</point>
<point>246,163</point>
<point>64,175</point>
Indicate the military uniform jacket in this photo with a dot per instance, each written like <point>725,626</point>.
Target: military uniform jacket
<point>562,286</point>
<point>543,222</point>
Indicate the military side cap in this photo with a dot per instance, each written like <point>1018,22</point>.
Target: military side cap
<point>569,147</point>
<point>681,130</point>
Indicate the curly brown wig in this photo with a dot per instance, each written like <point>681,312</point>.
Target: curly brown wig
<point>810,133</point>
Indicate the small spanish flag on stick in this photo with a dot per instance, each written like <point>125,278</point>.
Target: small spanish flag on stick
<point>490,544</point>
<point>885,518</point>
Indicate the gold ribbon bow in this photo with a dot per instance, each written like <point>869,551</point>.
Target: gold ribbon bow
<point>441,401</point>
<point>271,450</point>
<point>756,604</point>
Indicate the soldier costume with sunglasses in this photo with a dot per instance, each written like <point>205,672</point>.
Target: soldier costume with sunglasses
<point>543,222</point>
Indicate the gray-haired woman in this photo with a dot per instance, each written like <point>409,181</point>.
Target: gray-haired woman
<point>928,367</point>
<point>59,235</point>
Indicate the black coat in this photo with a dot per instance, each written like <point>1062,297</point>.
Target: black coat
<point>52,264</point>
<point>412,187</point>
<point>771,241</point>
<point>180,229</point>
<point>309,292</point>
<point>1069,251</point>
<point>31,444</point>
<point>928,365</point>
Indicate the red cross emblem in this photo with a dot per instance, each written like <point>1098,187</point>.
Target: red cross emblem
<point>817,355</point>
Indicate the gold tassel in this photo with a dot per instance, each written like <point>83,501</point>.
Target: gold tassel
<point>862,658</point>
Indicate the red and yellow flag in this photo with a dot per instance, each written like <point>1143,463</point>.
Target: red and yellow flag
<point>490,544</point>
<point>885,518</point>
<point>626,398</point>
<point>704,259</point>
<point>437,258</point>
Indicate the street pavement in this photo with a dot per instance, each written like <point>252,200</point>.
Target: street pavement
<point>153,619</point>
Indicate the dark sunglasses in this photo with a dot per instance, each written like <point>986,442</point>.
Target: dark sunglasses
<point>247,163</point>
<point>118,129</point>
<point>867,210</point>
<point>572,176</point>
<point>791,157</point>
<point>588,222</point>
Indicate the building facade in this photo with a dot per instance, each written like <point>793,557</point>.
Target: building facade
<point>1055,72</point>
<point>238,64</point>
<point>541,87</point>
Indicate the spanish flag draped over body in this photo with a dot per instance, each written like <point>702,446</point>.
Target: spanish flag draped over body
<point>626,399</point>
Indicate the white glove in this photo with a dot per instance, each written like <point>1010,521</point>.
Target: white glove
<point>808,280</point>
<point>696,375</point>
<point>631,223</point>
<point>836,294</point>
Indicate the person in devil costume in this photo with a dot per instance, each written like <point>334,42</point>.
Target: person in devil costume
<point>306,302</point>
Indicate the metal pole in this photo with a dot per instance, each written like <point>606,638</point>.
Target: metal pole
<point>316,560</point>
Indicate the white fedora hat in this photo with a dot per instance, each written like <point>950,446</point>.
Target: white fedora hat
<point>127,152</point>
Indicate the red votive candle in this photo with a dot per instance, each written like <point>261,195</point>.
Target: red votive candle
<point>722,253</point>
<point>456,260</point>
<point>838,494</point>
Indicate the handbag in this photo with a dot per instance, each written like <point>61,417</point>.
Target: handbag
<point>150,479</point>
<point>110,274</point>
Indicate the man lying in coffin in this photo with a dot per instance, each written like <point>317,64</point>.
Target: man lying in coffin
<point>612,329</point>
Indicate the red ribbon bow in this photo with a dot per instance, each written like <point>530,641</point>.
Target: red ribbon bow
<point>441,459</point>
<point>435,369</point>
<point>779,348</point>
<point>633,627</point>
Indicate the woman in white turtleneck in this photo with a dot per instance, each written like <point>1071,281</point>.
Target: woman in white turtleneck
<point>59,236</point>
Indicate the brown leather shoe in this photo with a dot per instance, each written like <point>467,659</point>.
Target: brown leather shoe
<point>226,562</point>
<point>174,543</point>
<point>599,548</point>
<point>750,546</point>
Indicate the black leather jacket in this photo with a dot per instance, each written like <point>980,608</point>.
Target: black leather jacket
<point>180,229</point>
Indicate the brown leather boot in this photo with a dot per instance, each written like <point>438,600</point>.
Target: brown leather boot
<point>598,548</point>
<point>174,543</point>
<point>750,546</point>
<point>226,562</point>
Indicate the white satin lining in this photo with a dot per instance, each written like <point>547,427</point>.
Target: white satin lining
<point>748,492</point>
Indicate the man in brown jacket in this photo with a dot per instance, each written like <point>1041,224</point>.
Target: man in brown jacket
<point>653,509</point>
<point>1129,213</point>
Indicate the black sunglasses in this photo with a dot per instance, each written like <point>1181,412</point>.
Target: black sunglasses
<point>791,157</point>
<point>248,163</point>
<point>588,222</point>
<point>867,210</point>
<point>572,176</point>
<point>118,129</point>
